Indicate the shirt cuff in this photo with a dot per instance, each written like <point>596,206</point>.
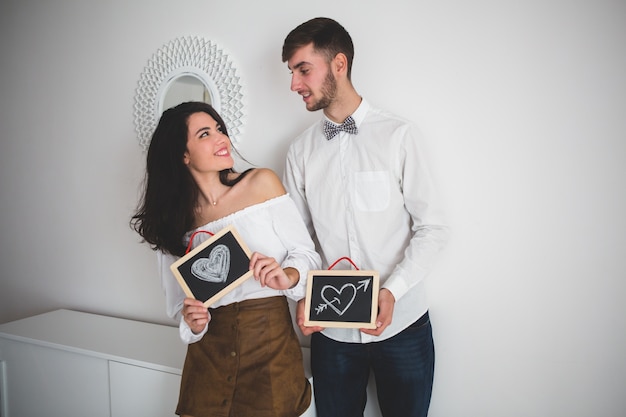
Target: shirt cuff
<point>187,336</point>
<point>298,292</point>
<point>398,287</point>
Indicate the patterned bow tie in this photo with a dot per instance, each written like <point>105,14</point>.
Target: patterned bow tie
<point>331,129</point>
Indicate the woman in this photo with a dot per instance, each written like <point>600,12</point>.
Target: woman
<point>243,357</point>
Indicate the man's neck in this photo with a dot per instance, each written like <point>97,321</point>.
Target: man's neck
<point>343,105</point>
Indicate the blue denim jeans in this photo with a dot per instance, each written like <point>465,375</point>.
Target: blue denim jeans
<point>403,367</point>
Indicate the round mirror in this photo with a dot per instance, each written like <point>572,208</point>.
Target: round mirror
<point>184,88</point>
<point>188,69</point>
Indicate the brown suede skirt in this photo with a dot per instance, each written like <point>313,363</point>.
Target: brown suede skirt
<point>248,364</point>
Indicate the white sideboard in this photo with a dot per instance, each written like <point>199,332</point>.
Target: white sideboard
<point>67,363</point>
<point>72,364</point>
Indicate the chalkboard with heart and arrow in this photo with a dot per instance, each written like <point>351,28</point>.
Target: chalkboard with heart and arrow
<point>342,298</point>
<point>215,267</point>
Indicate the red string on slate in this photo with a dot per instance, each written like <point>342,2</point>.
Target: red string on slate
<point>194,235</point>
<point>344,258</point>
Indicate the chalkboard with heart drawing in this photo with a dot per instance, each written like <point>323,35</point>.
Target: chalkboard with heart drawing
<point>215,267</point>
<point>342,298</point>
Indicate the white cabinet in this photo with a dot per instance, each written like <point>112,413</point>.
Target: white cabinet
<point>49,382</point>
<point>158,391</point>
<point>65,363</point>
<point>71,364</point>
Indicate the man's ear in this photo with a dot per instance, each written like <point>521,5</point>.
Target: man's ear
<point>340,63</point>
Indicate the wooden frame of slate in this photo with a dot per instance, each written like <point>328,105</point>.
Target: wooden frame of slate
<point>215,267</point>
<point>342,298</point>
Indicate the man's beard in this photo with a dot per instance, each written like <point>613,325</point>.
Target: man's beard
<point>329,92</point>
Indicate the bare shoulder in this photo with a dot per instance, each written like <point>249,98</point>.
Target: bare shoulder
<point>266,183</point>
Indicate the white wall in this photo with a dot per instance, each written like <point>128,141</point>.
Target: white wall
<point>523,105</point>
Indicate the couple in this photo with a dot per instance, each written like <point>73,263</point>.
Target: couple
<point>359,181</point>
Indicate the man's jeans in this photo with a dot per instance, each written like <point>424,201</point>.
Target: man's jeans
<point>403,366</point>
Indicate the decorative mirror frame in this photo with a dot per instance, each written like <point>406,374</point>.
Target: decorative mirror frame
<point>194,56</point>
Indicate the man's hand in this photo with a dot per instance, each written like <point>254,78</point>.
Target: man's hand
<point>306,330</point>
<point>386,302</point>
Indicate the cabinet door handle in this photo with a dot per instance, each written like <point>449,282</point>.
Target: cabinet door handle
<point>4,396</point>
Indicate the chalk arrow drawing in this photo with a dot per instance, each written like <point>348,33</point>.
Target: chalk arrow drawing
<point>214,268</point>
<point>323,306</point>
<point>363,284</point>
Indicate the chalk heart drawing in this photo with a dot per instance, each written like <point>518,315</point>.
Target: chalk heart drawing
<point>214,268</point>
<point>339,300</point>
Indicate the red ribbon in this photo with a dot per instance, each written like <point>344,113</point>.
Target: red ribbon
<point>344,258</point>
<point>194,235</point>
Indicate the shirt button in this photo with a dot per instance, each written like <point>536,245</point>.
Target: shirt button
<point>233,354</point>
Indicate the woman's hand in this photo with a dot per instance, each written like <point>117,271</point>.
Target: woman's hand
<point>269,273</point>
<point>195,314</point>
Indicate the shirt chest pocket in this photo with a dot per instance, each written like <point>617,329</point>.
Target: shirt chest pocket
<point>371,191</point>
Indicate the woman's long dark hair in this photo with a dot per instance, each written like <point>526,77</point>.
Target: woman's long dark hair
<point>167,209</point>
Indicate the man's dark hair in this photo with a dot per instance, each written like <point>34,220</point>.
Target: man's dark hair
<point>328,37</point>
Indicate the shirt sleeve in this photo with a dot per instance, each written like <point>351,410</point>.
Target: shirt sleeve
<point>430,232</point>
<point>174,297</point>
<point>294,184</point>
<point>301,255</point>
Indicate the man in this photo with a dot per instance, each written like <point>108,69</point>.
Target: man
<point>365,193</point>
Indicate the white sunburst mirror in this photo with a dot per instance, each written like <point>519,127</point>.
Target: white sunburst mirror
<point>185,69</point>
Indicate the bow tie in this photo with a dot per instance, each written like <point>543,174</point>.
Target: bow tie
<point>331,129</point>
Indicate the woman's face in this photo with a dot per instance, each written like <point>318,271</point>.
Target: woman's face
<point>208,149</point>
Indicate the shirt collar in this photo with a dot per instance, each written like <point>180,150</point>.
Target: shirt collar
<point>360,112</point>
<point>358,115</point>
